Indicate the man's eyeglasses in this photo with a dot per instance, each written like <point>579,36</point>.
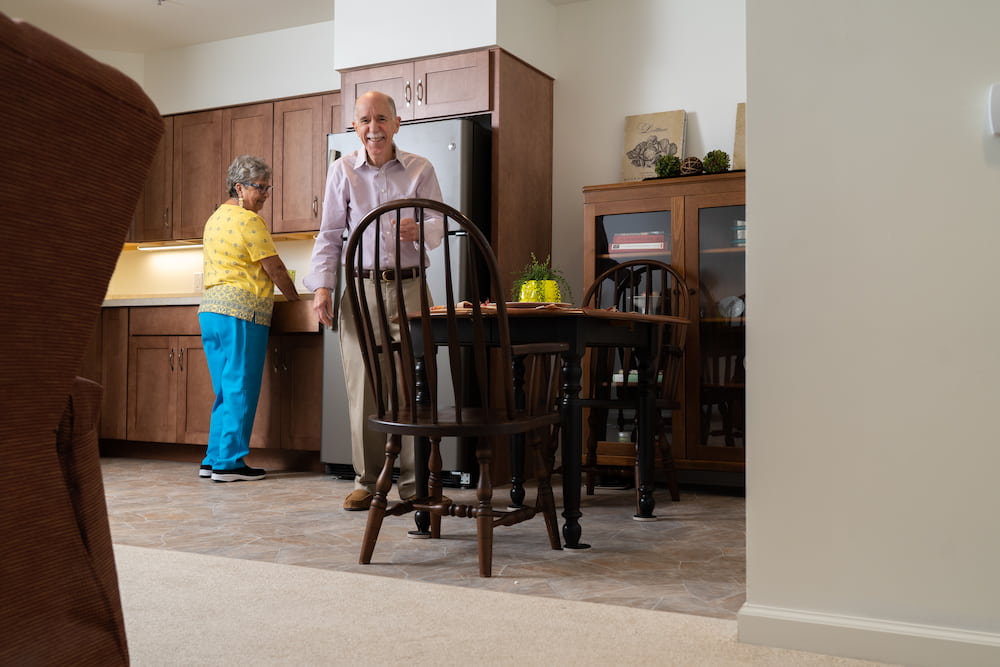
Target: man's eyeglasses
<point>262,188</point>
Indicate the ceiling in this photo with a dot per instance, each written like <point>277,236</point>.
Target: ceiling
<point>140,26</point>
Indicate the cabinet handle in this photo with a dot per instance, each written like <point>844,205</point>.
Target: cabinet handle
<point>420,92</point>
<point>166,216</point>
<point>274,360</point>
<point>171,359</point>
<point>407,93</point>
<point>315,207</point>
<point>180,359</point>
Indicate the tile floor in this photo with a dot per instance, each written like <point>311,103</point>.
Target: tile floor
<point>692,560</point>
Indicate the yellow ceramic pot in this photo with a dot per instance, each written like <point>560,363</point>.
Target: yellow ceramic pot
<point>540,291</point>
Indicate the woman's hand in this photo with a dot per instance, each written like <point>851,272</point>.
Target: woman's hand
<point>275,268</point>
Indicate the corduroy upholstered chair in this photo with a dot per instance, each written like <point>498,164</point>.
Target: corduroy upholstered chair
<point>78,138</point>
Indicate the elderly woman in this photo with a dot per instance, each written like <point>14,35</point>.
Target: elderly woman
<point>241,268</point>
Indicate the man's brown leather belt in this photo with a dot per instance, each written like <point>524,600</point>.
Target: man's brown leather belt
<point>389,274</point>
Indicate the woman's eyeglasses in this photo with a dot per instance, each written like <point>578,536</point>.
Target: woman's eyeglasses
<point>262,188</point>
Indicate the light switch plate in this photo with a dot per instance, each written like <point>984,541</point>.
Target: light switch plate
<point>197,281</point>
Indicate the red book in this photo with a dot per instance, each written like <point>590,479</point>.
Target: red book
<point>638,237</point>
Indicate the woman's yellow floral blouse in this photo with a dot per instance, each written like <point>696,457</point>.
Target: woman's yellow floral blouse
<point>236,284</point>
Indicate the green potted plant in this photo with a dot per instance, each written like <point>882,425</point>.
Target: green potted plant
<point>668,166</point>
<point>716,162</point>
<point>540,282</point>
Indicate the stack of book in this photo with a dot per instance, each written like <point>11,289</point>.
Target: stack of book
<point>637,243</point>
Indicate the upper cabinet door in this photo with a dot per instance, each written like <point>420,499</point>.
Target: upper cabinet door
<point>199,172</point>
<point>395,80</point>
<point>248,130</point>
<point>428,88</point>
<point>451,85</point>
<point>333,113</point>
<point>299,162</point>
<point>153,219</point>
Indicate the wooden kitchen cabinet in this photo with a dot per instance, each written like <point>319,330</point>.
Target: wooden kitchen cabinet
<point>154,213</point>
<point>289,413</point>
<point>333,115</point>
<point>703,220</point>
<point>170,393</point>
<point>299,164</point>
<point>106,362</point>
<point>247,130</point>
<point>187,181</point>
<point>451,85</point>
<point>169,389</point>
<point>199,177</point>
<point>518,100</point>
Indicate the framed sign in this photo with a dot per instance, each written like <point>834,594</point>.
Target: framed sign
<point>647,137</point>
<point>740,145</point>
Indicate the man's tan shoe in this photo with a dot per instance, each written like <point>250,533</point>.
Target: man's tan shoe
<point>359,500</point>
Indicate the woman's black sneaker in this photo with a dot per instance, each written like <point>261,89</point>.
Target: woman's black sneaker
<point>244,474</point>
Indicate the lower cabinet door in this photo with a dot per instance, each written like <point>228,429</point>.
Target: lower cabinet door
<point>302,392</point>
<point>152,388</point>
<point>268,418</point>
<point>194,392</point>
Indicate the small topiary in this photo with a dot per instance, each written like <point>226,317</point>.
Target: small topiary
<point>715,162</point>
<point>668,165</point>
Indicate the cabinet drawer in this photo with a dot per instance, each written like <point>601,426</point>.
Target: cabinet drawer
<point>294,317</point>
<point>164,321</point>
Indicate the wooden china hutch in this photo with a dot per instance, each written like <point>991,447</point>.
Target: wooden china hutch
<point>701,221</point>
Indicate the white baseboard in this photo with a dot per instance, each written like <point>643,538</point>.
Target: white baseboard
<point>867,639</point>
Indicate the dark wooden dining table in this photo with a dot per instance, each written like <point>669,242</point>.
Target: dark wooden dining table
<point>579,329</point>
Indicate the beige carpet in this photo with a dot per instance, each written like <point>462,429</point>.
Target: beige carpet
<point>189,609</point>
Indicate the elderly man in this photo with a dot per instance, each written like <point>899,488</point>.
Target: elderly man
<point>357,183</point>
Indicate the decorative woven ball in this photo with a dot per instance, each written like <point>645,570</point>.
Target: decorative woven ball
<point>690,166</point>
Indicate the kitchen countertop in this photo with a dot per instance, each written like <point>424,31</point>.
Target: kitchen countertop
<point>173,300</point>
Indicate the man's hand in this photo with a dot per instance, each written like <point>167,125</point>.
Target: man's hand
<point>323,306</point>
<point>408,230</point>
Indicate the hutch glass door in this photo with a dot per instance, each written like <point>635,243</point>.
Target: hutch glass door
<point>718,359</point>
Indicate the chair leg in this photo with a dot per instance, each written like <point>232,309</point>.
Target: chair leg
<point>376,513</point>
<point>434,486</point>
<point>484,509</point>
<point>545,499</point>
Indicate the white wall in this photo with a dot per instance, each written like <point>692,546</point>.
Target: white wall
<point>282,63</point>
<point>872,200</point>
<point>403,29</point>
<point>620,58</point>
<point>528,29</point>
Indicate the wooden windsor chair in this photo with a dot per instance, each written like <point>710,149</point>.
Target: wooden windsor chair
<point>415,404</point>
<point>653,288</point>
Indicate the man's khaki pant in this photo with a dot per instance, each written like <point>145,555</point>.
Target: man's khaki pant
<point>367,446</point>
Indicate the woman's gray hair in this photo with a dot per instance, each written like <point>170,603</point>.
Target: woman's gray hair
<point>246,169</point>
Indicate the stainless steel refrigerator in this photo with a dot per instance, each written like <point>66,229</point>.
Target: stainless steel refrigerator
<point>459,149</point>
